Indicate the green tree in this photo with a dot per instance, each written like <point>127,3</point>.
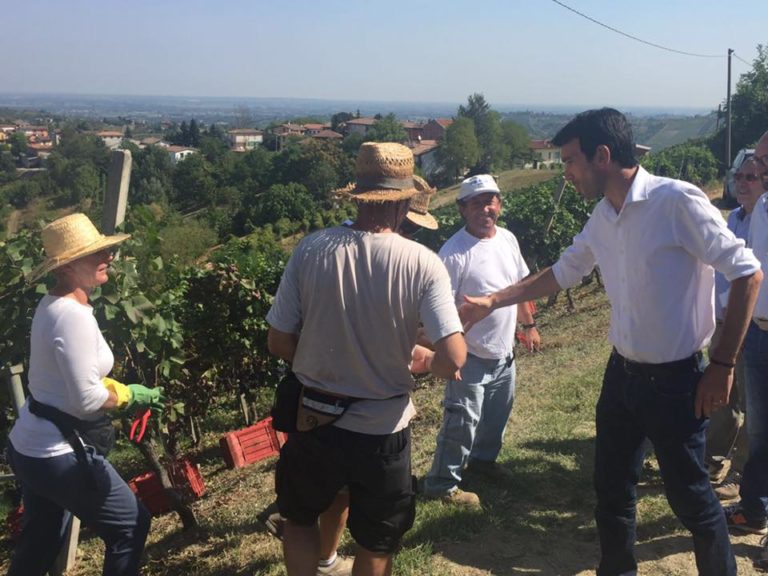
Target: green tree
<point>18,144</point>
<point>351,144</point>
<point>194,134</point>
<point>487,123</point>
<point>459,148</point>
<point>289,201</point>
<point>7,166</point>
<point>319,166</point>
<point>690,162</point>
<point>339,118</point>
<point>750,102</point>
<point>193,183</point>
<point>387,129</point>
<point>515,138</point>
<point>151,176</point>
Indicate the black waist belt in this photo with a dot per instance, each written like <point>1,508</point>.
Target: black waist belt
<point>690,363</point>
<point>68,425</point>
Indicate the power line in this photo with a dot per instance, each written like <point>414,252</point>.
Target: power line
<point>612,29</point>
<point>740,59</point>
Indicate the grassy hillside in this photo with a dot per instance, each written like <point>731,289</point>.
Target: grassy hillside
<point>658,132</point>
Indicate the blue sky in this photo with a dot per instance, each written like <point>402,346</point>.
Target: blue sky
<point>521,52</point>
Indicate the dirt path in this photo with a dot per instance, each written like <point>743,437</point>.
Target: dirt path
<point>12,224</point>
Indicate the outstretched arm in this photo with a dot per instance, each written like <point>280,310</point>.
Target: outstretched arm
<point>475,308</point>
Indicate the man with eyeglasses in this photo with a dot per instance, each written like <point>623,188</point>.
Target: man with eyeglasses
<point>477,404</point>
<point>726,435</point>
<point>751,513</point>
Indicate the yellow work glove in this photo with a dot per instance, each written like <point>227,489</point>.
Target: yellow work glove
<point>122,391</point>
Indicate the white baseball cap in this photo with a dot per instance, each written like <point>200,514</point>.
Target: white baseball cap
<point>479,184</point>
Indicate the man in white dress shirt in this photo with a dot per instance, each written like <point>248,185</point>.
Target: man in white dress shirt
<point>656,241</point>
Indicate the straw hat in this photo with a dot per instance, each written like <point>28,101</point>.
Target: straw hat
<point>70,238</point>
<point>383,172</point>
<point>418,211</point>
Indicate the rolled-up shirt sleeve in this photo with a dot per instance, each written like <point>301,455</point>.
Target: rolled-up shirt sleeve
<point>576,262</point>
<point>701,230</point>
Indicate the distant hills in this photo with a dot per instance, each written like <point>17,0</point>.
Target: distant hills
<point>657,128</point>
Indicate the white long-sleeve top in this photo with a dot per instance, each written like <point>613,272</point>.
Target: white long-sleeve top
<point>68,359</point>
<point>657,257</point>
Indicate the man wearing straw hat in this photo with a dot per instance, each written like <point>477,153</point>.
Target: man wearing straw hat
<point>346,316</point>
<point>480,257</point>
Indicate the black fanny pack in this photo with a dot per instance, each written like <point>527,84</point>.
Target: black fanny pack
<point>298,408</point>
<point>97,433</point>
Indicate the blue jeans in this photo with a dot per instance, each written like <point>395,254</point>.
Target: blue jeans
<point>476,410</point>
<point>754,480</point>
<point>654,402</point>
<point>52,488</point>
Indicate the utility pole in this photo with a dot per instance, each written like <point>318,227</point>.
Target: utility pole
<point>728,157</point>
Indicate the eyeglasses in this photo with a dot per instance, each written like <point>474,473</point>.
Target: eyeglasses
<point>748,177</point>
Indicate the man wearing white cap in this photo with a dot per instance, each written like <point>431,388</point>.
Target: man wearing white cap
<point>480,258</point>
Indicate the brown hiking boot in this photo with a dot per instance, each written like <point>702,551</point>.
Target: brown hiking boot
<point>459,497</point>
<point>718,469</point>
<point>729,489</point>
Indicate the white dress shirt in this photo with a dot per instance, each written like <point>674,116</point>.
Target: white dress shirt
<point>758,241</point>
<point>657,257</point>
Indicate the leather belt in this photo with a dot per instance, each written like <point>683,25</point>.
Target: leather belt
<point>691,362</point>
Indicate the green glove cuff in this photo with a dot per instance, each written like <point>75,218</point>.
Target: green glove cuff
<point>143,397</point>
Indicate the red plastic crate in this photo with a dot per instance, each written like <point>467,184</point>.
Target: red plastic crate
<point>185,476</point>
<point>251,444</point>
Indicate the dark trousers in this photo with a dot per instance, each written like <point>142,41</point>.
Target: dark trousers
<point>754,481</point>
<point>54,487</point>
<point>641,401</point>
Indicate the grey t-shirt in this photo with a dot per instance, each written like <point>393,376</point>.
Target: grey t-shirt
<point>356,299</point>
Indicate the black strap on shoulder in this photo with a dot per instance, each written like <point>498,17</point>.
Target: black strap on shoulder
<point>67,425</point>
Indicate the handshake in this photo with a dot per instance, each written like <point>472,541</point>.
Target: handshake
<point>136,396</point>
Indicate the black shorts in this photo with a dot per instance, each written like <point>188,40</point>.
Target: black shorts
<point>315,465</point>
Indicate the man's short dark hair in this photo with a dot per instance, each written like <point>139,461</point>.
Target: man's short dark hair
<point>604,126</point>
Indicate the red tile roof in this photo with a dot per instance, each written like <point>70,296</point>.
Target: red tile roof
<point>424,146</point>
<point>363,121</point>
<point>328,134</point>
<point>543,145</point>
<point>246,132</point>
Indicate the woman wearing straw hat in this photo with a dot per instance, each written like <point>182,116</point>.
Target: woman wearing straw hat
<point>69,396</point>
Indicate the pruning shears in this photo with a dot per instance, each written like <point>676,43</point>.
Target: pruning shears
<point>139,423</point>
